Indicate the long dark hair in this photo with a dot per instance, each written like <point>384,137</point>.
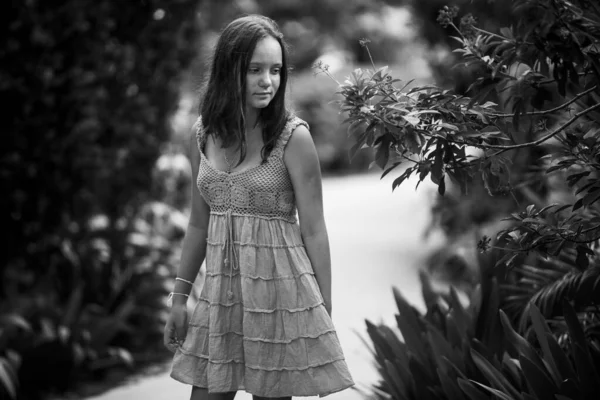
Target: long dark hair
<point>223,103</point>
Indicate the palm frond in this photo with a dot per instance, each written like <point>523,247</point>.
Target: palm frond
<point>582,288</point>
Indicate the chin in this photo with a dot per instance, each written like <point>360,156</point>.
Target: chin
<point>261,104</point>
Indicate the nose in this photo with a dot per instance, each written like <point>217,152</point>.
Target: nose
<point>265,81</point>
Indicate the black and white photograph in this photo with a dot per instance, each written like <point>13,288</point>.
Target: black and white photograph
<point>296,199</point>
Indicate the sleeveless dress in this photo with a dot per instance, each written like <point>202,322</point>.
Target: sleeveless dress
<point>260,324</point>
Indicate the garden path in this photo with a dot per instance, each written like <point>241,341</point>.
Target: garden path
<point>377,241</point>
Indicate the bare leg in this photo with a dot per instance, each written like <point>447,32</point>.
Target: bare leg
<point>270,398</point>
<point>202,394</point>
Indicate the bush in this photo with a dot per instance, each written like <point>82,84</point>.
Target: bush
<point>88,89</point>
<point>456,352</point>
<point>313,102</point>
<point>549,259</point>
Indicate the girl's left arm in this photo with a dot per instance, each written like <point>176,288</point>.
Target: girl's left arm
<point>302,162</point>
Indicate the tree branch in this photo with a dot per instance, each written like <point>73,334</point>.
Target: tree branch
<point>543,112</point>
<point>547,81</point>
<point>540,140</point>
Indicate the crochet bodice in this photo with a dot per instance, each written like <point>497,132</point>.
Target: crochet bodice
<point>264,190</point>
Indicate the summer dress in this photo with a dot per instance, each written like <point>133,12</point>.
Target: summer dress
<point>260,324</point>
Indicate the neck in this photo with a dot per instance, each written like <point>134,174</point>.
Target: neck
<point>251,118</point>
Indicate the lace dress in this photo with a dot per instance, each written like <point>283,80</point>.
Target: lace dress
<point>260,324</point>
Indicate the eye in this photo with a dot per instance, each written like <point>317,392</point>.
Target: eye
<point>253,70</point>
<point>276,71</point>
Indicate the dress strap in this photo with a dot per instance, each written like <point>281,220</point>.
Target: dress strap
<point>200,136</point>
<point>290,126</point>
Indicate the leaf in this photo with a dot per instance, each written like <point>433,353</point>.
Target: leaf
<point>383,153</point>
<point>7,375</point>
<point>541,329</point>
<point>406,174</point>
<point>14,320</point>
<point>389,169</point>
<point>451,388</point>
<point>430,296</point>
<point>538,380</point>
<point>591,198</point>
<point>574,178</point>
<point>442,186</point>
<point>582,259</point>
<point>578,204</point>
<point>410,326</point>
<point>470,390</point>
<point>462,317</point>
<point>496,392</point>
<point>495,377</point>
<point>564,364</point>
<point>439,345</point>
<point>449,126</point>
<point>73,306</point>
<point>518,343</point>
<point>395,382</point>
<point>436,169</point>
<point>412,141</point>
<point>586,371</point>
<point>411,120</point>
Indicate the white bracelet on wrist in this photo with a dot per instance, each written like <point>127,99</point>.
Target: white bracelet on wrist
<point>184,280</point>
<point>170,298</point>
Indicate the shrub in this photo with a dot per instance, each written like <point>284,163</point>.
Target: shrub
<point>456,352</point>
<point>312,101</point>
<point>550,54</point>
<point>88,89</point>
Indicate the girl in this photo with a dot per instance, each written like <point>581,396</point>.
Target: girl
<point>263,320</point>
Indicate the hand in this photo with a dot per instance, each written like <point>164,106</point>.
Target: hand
<point>176,327</point>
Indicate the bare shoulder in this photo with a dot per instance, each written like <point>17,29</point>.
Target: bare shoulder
<point>300,144</point>
<point>300,157</point>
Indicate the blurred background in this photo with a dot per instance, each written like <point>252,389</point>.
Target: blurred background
<point>99,100</point>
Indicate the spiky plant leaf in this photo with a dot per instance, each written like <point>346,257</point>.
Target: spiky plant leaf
<point>498,393</point>
<point>578,286</point>
<point>450,386</point>
<point>518,344</point>
<point>538,379</point>
<point>588,376</point>
<point>494,376</point>
<point>470,390</point>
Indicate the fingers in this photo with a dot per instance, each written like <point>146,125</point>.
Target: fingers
<point>180,333</point>
<point>171,340</point>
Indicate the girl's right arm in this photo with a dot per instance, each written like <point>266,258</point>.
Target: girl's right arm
<point>192,256</point>
<point>194,242</point>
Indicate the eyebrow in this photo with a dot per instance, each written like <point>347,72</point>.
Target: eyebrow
<point>273,65</point>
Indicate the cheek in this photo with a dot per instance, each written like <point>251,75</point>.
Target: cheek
<point>276,81</point>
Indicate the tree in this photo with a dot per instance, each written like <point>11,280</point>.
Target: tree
<point>88,88</point>
<point>544,72</point>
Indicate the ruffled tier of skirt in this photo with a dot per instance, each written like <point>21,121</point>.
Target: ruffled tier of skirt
<point>273,337</point>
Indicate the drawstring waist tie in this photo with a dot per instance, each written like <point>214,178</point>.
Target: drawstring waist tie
<point>230,254</point>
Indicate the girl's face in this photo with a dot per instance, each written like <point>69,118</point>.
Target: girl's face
<point>264,74</point>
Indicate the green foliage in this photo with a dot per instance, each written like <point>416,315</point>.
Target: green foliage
<point>312,99</point>
<point>543,129</point>
<point>89,89</point>
<point>435,349</point>
<point>431,20</point>
<point>312,26</point>
<point>434,129</point>
<point>443,355</point>
<point>113,319</point>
